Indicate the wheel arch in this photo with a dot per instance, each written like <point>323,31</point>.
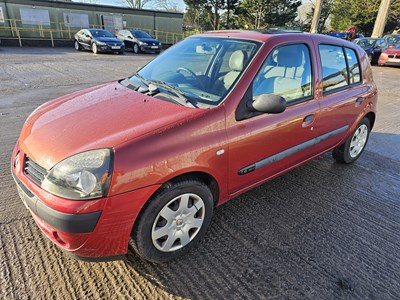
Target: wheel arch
<point>371,117</point>
<point>203,177</point>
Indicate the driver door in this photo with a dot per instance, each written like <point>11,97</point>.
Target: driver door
<point>265,145</point>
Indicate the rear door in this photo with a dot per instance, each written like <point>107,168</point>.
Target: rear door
<point>343,94</point>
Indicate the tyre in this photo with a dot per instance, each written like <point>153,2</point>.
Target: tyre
<point>94,48</point>
<point>173,221</point>
<point>77,46</point>
<point>136,49</point>
<point>121,52</point>
<point>351,150</point>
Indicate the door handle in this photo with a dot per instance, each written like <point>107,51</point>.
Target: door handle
<point>308,118</point>
<point>359,101</point>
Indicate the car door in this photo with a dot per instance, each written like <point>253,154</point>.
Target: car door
<point>265,145</point>
<point>344,96</point>
<point>87,39</point>
<point>79,36</point>
<point>128,39</point>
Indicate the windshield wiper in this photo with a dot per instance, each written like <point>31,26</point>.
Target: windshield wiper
<point>145,81</point>
<point>178,92</point>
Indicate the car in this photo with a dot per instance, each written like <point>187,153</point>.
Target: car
<point>390,57</point>
<point>345,35</point>
<point>145,160</point>
<point>372,46</point>
<point>139,41</point>
<point>98,40</point>
<point>392,39</point>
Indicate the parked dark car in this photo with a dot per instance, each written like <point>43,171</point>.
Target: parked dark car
<point>144,161</point>
<point>392,39</point>
<point>139,41</point>
<point>390,57</point>
<point>343,35</point>
<point>98,40</point>
<point>373,47</point>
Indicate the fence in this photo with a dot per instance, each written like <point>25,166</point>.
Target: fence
<point>51,31</point>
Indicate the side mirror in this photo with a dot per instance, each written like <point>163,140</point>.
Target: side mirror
<point>268,103</point>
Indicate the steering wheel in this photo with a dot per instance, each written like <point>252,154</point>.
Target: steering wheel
<point>193,76</point>
<point>190,72</point>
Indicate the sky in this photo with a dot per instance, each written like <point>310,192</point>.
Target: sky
<point>180,3</point>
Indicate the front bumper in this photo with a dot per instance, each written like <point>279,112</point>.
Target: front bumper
<point>90,229</point>
<point>391,61</point>
<point>149,48</point>
<point>108,48</point>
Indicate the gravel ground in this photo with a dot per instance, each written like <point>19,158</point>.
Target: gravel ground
<point>321,231</point>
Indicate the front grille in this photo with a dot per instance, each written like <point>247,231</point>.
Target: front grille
<point>33,171</point>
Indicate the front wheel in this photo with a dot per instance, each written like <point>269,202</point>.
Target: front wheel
<point>77,46</point>
<point>351,150</point>
<point>173,221</point>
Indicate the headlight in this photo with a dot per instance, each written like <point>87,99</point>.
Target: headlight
<point>123,45</point>
<point>86,175</point>
<point>142,43</point>
<point>101,43</point>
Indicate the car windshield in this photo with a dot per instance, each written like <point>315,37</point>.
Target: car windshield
<point>141,34</point>
<point>393,39</point>
<point>366,43</point>
<point>201,69</point>
<point>101,33</point>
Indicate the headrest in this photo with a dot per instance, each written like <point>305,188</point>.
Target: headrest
<point>237,60</point>
<point>290,56</point>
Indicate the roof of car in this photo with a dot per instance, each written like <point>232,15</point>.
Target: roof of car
<point>264,36</point>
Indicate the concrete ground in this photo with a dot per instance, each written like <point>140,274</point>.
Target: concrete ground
<point>321,231</point>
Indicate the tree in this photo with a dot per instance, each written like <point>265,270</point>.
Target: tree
<point>167,5</point>
<point>252,13</point>
<point>281,12</point>
<point>210,8</point>
<point>231,7</point>
<point>362,13</point>
<point>195,14</point>
<point>341,14</point>
<point>326,10</point>
<point>136,3</point>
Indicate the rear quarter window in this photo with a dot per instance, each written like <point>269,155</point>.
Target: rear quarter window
<point>340,67</point>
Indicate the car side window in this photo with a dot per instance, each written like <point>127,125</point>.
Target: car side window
<point>340,67</point>
<point>381,43</point>
<point>286,72</point>
<point>354,67</point>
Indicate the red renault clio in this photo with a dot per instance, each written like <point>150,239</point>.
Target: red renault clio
<point>149,157</point>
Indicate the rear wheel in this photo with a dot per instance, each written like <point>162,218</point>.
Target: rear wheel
<point>174,220</point>
<point>351,150</point>
<point>94,48</point>
<point>136,48</point>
